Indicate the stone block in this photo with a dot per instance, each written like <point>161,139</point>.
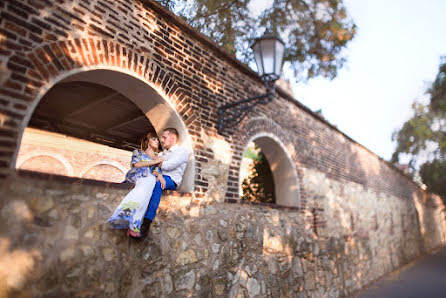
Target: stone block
<point>71,233</point>
<point>215,248</point>
<point>67,254</point>
<point>216,265</point>
<point>186,257</point>
<point>168,285</point>
<point>185,280</point>
<point>41,205</point>
<point>253,287</point>
<point>297,267</point>
<point>152,253</point>
<point>173,233</point>
<point>108,254</point>
<point>87,250</point>
<point>220,286</point>
<point>16,212</point>
<point>210,210</point>
<point>310,280</point>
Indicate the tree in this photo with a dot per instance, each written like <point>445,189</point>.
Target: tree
<point>259,186</point>
<point>434,176</point>
<point>423,137</point>
<point>315,32</point>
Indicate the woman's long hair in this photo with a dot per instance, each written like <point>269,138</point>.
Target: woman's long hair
<point>145,141</point>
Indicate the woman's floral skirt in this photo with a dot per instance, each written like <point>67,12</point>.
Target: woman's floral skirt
<point>130,213</point>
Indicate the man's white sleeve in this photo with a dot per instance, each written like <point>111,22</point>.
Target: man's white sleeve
<point>175,160</point>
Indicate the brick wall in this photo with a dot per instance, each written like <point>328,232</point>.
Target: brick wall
<point>43,41</point>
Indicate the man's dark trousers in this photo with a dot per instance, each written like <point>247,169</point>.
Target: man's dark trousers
<point>156,197</point>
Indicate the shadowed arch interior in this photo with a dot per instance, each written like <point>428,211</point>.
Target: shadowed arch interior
<point>284,172</point>
<point>92,112</point>
<point>111,108</point>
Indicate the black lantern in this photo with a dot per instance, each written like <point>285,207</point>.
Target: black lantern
<point>268,54</point>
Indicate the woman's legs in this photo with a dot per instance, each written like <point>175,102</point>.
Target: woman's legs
<point>141,193</point>
<point>130,212</point>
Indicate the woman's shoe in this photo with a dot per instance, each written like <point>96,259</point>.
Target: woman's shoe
<point>133,234</point>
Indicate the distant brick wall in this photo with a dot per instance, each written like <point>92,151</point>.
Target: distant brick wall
<point>53,153</point>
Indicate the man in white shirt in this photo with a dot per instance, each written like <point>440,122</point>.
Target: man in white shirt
<point>172,167</point>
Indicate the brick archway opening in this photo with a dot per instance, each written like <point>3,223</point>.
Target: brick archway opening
<point>45,162</point>
<point>110,170</point>
<point>110,108</point>
<point>283,169</point>
<point>23,162</point>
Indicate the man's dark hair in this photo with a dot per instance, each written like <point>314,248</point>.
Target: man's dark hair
<point>172,130</point>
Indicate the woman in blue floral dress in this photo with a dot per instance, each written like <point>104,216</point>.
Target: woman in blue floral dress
<point>144,173</point>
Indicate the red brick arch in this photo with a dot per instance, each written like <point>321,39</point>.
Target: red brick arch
<point>57,159</point>
<point>45,66</point>
<point>267,131</point>
<point>34,73</point>
<point>104,169</point>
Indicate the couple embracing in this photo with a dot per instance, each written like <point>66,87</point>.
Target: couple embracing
<point>151,173</point>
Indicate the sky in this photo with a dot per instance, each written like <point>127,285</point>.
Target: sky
<point>394,55</point>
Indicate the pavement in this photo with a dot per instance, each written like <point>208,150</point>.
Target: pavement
<point>423,277</point>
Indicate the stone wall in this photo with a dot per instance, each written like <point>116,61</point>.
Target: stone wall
<point>54,242</point>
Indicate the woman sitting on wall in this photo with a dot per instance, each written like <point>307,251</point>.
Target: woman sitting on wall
<point>144,174</point>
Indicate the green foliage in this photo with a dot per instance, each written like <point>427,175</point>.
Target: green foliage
<point>226,22</point>
<point>251,155</point>
<point>413,137</point>
<point>434,176</point>
<point>259,186</point>
<point>315,32</point>
<point>423,137</point>
<point>438,89</point>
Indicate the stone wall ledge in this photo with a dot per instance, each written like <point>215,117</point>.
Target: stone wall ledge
<point>91,182</point>
<point>269,205</point>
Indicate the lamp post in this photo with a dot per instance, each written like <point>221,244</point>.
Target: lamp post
<point>268,54</point>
